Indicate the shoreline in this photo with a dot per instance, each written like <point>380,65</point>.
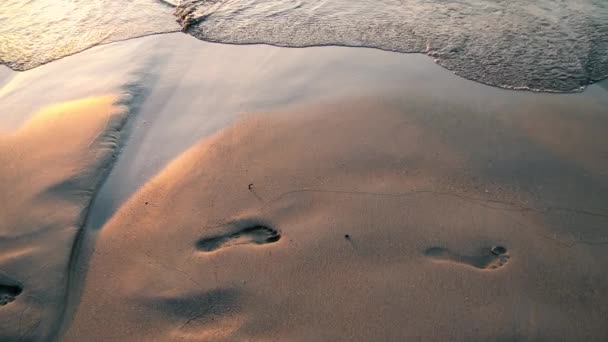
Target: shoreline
<point>205,41</point>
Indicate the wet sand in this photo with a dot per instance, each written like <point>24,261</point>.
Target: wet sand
<point>261,193</point>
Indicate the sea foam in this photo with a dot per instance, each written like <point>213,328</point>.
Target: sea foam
<point>544,45</point>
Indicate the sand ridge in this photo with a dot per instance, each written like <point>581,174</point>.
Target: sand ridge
<point>49,175</point>
<point>414,244</point>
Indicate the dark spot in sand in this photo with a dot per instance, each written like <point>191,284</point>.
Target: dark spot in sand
<point>8,293</point>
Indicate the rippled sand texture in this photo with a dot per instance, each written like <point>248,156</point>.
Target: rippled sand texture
<point>35,32</point>
<point>540,45</point>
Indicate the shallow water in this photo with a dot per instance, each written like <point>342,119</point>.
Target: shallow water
<point>540,45</point>
<point>34,32</point>
<point>545,45</point>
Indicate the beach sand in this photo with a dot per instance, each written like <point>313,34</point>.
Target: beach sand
<point>51,168</point>
<point>271,194</point>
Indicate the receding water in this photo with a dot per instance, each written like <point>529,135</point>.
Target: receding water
<point>551,45</point>
<point>34,32</point>
<point>547,45</point>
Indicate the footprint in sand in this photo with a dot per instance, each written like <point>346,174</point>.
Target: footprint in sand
<point>489,259</point>
<point>256,234</point>
<point>8,293</point>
